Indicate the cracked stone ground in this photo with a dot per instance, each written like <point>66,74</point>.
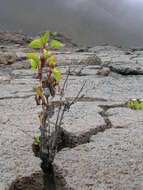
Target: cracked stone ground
<point>104,147</point>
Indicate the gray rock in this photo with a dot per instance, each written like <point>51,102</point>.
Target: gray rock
<point>125,117</point>
<point>4,77</point>
<point>119,61</point>
<point>19,124</point>
<point>82,121</point>
<point>7,58</point>
<point>78,58</point>
<point>127,68</point>
<point>13,38</point>
<point>113,160</point>
<point>98,49</point>
<point>105,71</point>
<point>93,60</point>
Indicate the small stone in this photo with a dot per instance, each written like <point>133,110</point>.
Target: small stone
<point>93,60</point>
<point>105,71</point>
<point>4,77</point>
<point>7,58</point>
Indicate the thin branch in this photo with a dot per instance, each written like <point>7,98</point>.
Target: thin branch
<point>59,110</point>
<point>60,116</point>
<point>78,94</point>
<point>67,105</point>
<point>62,94</point>
<point>26,133</point>
<point>65,82</point>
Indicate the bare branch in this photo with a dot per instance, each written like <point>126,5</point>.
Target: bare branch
<point>60,116</point>
<point>59,110</point>
<point>78,94</point>
<point>65,82</point>
<point>26,133</point>
<point>61,96</point>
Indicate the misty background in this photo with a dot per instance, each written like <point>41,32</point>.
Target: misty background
<point>88,22</point>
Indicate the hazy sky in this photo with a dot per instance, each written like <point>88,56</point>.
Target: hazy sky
<point>86,21</point>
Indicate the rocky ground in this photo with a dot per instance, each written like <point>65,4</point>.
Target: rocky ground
<point>103,139</point>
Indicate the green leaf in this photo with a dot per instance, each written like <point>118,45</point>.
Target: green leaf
<point>39,91</point>
<point>137,105</point>
<point>130,104</point>
<point>62,33</point>
<point>36,44</point>
<point>141,105</point>
<point>37,141</point>
<point>33,56</point>
<point>45,38</point>
<point>55,44</point>
<point>47,54</point>
<point>57,74</point>
<point>54,33</point>
<point>34,64</point>
<point>52,60</point>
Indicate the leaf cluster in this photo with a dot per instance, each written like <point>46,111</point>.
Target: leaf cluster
<point>48,57</point>
<point>136,104</point>
<point>43,42</point>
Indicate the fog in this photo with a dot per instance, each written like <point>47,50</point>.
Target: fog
<point>89,22</point>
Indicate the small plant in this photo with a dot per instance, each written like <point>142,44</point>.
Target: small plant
<point>46,58</point>
<point>49,77</point>
<point>136,104</point>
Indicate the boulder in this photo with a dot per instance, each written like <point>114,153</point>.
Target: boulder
<point>127,68</point>
<point>7,58</point>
